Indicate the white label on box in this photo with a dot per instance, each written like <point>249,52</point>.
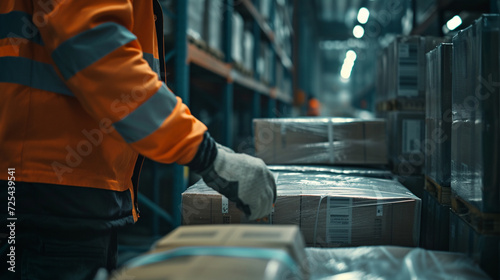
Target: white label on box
<point>225,205</point>
<point>411,136</point>
<point>339,220</point>
<point>408,70</point>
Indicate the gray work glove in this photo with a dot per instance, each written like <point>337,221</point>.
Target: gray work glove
<point>244,179</point>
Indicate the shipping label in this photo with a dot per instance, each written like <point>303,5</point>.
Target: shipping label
<point>411,136</point>
<point>408,70</point>
<point>339,220</point>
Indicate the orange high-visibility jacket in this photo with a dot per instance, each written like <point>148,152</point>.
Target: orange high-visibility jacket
<point>80,94</point>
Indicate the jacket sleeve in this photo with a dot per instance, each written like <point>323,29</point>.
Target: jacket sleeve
<point>101,61</point>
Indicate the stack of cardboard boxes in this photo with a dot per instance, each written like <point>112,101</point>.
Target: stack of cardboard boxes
<point>401,85</point>
<point>436,200</point>
<point>475,149</point>
<point>331,210</point>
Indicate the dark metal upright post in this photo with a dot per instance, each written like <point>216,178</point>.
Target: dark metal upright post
<point>227,101</point>
<point>256,112</point>
<point>182,90</point>
<point>271,105</point>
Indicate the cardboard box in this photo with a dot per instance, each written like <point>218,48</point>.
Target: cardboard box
<point>285,237</point>
<point>369,216</point>
<point>439,115</point>
<point>320,140</point>
<point>223,252</point>
<point>203,205</point>
<point>375,211</point>
<point>210,267</point>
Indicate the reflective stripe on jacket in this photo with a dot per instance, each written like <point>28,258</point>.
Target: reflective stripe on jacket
<point>81,97</point>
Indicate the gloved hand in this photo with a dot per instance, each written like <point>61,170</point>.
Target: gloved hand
<point>244,179</point>
<point>241,178</point>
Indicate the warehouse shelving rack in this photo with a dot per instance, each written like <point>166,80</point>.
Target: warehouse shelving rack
<point>264,100</point>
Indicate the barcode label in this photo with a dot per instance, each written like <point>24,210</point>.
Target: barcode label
<point>408,70</point>
<point>339,220</point>
<point>411,136</point>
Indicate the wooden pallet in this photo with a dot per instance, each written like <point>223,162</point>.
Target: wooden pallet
<point>216,53</point>
<point>408,104</point>
<point>198,42</point>
<point>400,104</point>
<point>202,45</point>
<point>441,193</point>
<point>485,223</point>
<point>240,68</point>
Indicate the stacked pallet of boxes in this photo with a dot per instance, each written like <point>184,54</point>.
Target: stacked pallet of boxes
<point>475,153</point>
<point>333,206</point>
<point>331,210</point>
<point>436,200</point>
<point>401,99</point>
<point>238,44</point>
<point>204,25</point>
<point>212,26</point>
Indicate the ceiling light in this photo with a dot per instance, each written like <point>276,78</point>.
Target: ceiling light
<point>363,15</point>
<point>454,22</point>
<point>351,55</point>
<point>345,73</point>
<point>358,31</point>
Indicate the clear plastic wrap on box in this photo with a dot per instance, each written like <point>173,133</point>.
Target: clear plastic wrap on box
<point>482,248</point>
<point>401,73</point>
<point>476,114</point>
<point>237,38</point>
<point>331,210</point>
<point>320,141</point>
<point>438,115</point>
<point>196,9</point>
<point>407,65</point>
<point>248,48</point>
<point>213,24</point>
<point>263,62</point>
<point>339,170</point>
<point>390,263</point>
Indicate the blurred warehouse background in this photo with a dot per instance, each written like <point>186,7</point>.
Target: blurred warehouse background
<point>234,61</point>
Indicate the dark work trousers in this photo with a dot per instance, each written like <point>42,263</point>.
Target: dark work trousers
<point>74,255</point>
<point>60,232</point>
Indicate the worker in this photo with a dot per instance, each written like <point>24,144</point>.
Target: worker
<point>83,100</point>
<point>313,107</point>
